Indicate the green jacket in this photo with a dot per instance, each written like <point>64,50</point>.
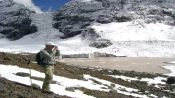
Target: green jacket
<point>48,57</point>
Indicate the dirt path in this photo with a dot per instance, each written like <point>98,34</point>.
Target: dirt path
<point>141,64</point>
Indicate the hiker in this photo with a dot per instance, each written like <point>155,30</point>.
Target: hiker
<point>48,55</point>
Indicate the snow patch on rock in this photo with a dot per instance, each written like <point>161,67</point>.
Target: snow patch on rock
<point>29,4</point>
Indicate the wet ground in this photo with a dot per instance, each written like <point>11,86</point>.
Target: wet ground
<point>139,64</point>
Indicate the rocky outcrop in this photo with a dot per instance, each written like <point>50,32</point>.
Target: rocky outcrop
<point>78,15</point>
<point>101,43</point>
<point>15,21</point>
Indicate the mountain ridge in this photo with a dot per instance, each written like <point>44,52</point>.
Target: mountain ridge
<point>76,16</point>
<point>15,21</point>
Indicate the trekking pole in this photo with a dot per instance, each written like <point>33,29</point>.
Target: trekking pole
<point>30,73</point>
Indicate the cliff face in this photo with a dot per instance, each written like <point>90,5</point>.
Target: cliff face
<point>15,21</point>
<point>76,16</point>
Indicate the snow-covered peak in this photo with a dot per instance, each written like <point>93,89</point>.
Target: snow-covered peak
<point>29,4</point>
<point>135,31</point>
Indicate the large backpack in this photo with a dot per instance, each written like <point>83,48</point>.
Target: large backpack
<point>38,59</point>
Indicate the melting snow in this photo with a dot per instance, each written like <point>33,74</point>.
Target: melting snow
<point>156,81</point>
<point>171,68</point>
<point>29,4</point>
<point>129,79</point>
<point>62,83</point>
<point>150,81</point>
<point>135,31</point>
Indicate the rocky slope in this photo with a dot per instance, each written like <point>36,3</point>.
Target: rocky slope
<point>77,16</point>
<point>15,20</point>
<point>127,79</point>
<point>9,89</point>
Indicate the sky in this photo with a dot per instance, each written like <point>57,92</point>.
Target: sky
<point>46,5</point>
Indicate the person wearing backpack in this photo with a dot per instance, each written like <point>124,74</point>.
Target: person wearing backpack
<point>46,59</point>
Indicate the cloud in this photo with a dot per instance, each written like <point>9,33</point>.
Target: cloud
<point>29,4</point>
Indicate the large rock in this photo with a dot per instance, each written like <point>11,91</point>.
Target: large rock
<point>171,80</point>
<point>101,43</point>
<point>78,15</point>
<point>35,86</point>
<point>90,34</point>
<point>15,21</point>
<point>22,74</point>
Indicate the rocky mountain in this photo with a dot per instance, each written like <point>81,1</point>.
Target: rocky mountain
<point>77,16</point>
<point>15,20</point>
<point>119,27</point>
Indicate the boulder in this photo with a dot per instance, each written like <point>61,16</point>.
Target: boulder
<point>22,74</point>
<point>170,80</point>
<point>90,34</point>
<point>35,86</point>
<point>101,43</point>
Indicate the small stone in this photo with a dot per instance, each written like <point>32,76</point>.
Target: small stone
<point>113,91</point>
<point>2,87</point>
<point>71,89</point>
<point>35,86</point>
